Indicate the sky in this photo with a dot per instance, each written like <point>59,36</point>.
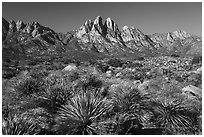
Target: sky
<point>149,17</point>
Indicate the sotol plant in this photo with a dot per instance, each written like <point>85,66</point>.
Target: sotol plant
<point>81,113</point>
<point>17,125</point>
<point>174,114</point>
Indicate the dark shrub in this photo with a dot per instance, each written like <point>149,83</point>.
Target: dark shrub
<point>102,67</point>
<point>140,58</point>
<point>9,74</point>
<point>175,55</point>
<point>73,76</point>
<point>17,125</point>
<point>196,60</point>
<point>53,98</point>
<point>115,62</point>
<point>88,82</point>
<point>134,65</point>
<point>30,86</point>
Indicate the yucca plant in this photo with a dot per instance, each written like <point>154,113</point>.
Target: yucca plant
<point>174,114</point>
<point>17,125</point>
<point>81,113</point>
<point>132,108</point>
<point>131,102</point>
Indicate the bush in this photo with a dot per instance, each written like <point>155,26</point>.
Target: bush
<point>81,113</point>
<point>174,114</point>
<point>17,125</point>
<point>88,82</point>
<point>30,86</point>
<point>196,60</point>
<point>54,98</point>
<point>115,62</point>
<point>102,67</point>
<point>39,74</point>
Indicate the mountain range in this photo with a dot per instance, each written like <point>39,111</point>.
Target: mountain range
<point>95,37</point>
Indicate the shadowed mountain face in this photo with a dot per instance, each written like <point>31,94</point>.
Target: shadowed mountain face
<point>97,36</point>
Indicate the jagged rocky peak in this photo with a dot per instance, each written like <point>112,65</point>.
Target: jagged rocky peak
<point>131,33</point>
<point>88,25</point>
<point>125,28</point>
<point>181,34</point>
<point>20,25</point>
<point>28,29</point>
<point>109,23</point>
<point>12,26</point>
<point>98,24</point>
<point>35,24</point>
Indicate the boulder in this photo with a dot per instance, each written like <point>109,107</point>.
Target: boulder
<point>70,67</point>
<point>109,73</point>
<point>198,71</point>
<point>193,91</point>
<point>20,25</point>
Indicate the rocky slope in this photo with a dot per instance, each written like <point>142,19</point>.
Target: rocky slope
<point>179,42</point>
<point>94,36</point>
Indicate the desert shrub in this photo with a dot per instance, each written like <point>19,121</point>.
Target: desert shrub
<point>29,86</point>
<point>120,124</point>
<point>127,124</point>
<point>73,75</point>
<point>54,97</point>
<point>39,74</point>
<point>196,60</point>
<point>81,113</point>
<point>102,67</point>
<point>58,78</point>
<point>140,58</point>
<point>9,73</point>
<point>174,114</point>
<point>89,81</point>
<point>33,62</point>
<point>67,60</point>
<point>39,117</point>
<point>175,55</point>
<point>134,65</point>
<point>17,125</point>
<point>92,62</point>
<point>195,79</point>
<point>115,62</point>
<point>137,75</point>
<point>131,102</point>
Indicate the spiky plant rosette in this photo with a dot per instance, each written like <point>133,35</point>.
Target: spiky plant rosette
<point>81,113</point>
<point>18,125</point>
<point>173,114</point>
<point>131,102</point>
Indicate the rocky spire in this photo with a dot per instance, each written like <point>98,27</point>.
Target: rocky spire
<point>180,34</point>
<point>12,26</point>
<point>88,25</point>
<point>20,25</point>
<point>111,30</point>
<point>109,23</point>
<point>98,25</point>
